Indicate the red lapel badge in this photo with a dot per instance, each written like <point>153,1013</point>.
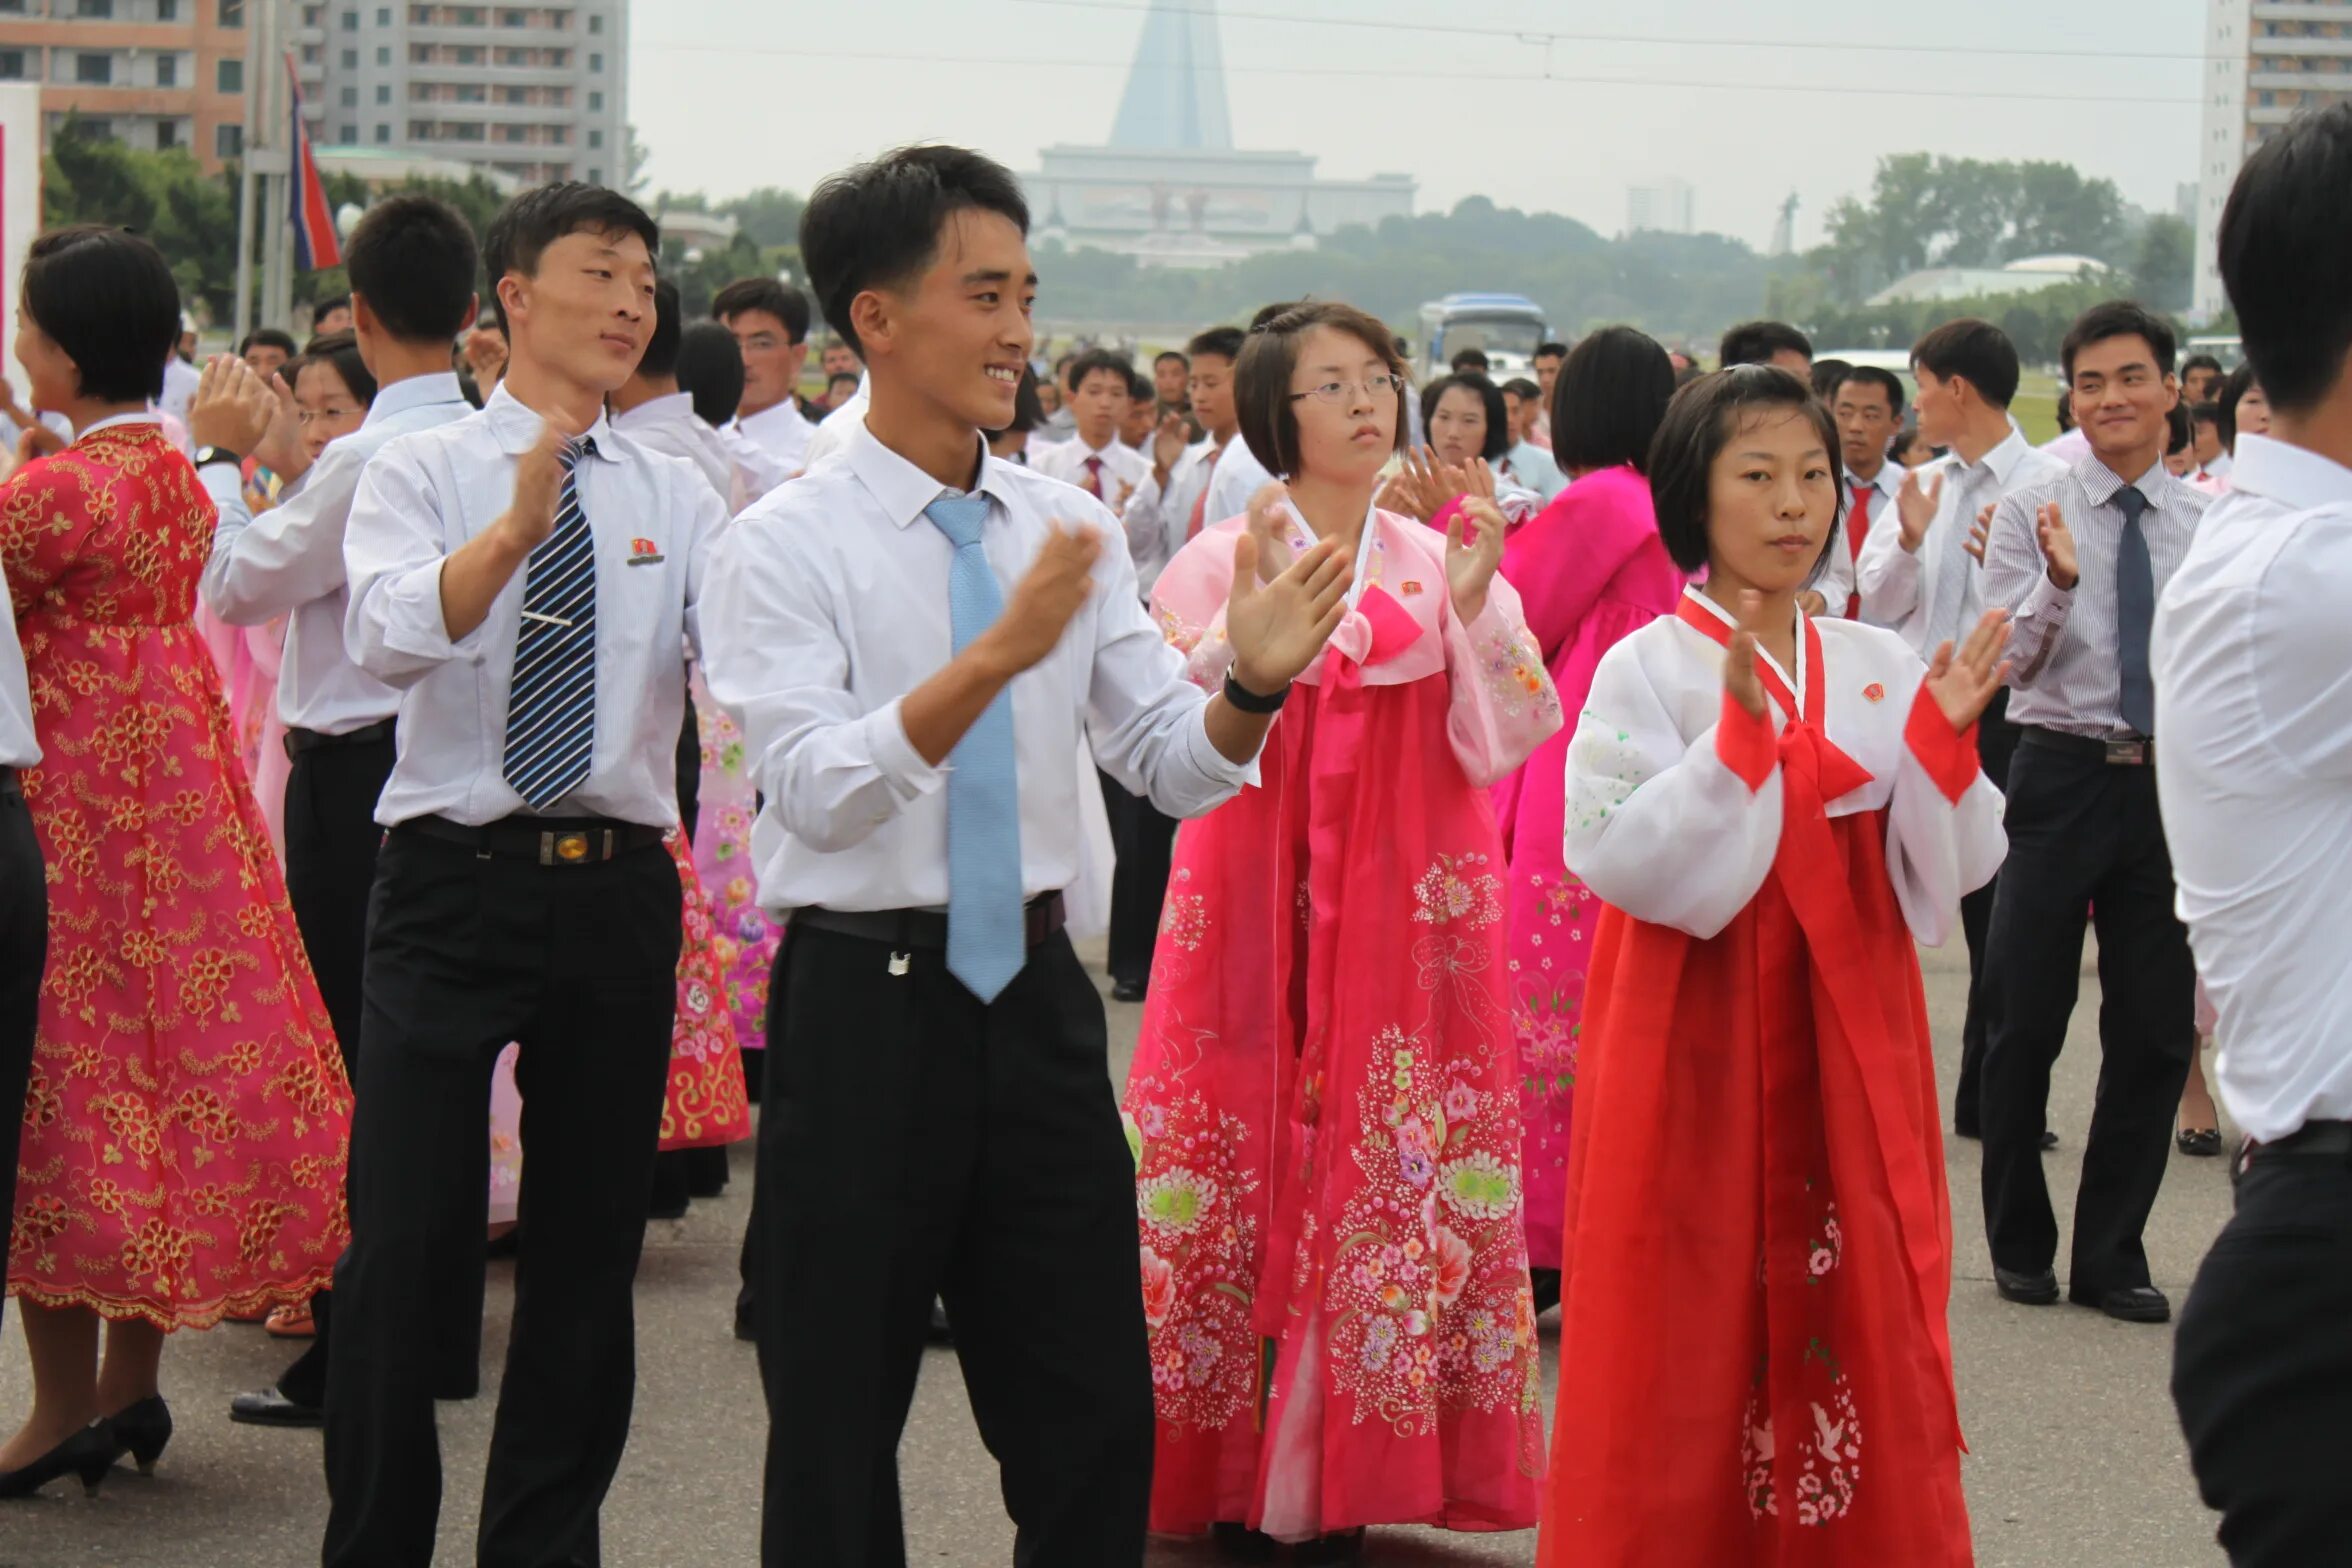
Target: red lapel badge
<point>1874,692</point>
<point>644,552</point>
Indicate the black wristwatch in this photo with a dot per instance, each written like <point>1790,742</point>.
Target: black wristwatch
<point>206,456</point>
<point>1249,701</point>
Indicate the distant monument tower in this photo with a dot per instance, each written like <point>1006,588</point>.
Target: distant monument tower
<point>1784,233</point>
<point>1170,188</point>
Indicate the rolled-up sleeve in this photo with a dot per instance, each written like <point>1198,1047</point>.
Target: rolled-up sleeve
<point>393,550</point>
<point>1149,724</point>
<point>774,657</point>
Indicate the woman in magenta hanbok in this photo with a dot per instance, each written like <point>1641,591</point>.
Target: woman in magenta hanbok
<point>1590,570</point>
<point>1324,1101</point>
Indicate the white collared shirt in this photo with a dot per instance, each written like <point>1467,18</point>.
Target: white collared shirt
<point>1838,572</point>
<point>289,561</point>
<point>835,429</point>
<point>781,433</point>
<point>426,495</point>
<point>1158,518</point>
<point>1899,586</point>
<point>20,743</point>
<point>137,416</point>
<point>1239,476</point>
<point>179,387</point>
<point>756,468</point>
<point>1123,468</point>
<point>670,424</point>
<point>829,603</point>
<point>2252,658</point>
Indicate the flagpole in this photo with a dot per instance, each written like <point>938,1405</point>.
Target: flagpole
<point>247,183</point>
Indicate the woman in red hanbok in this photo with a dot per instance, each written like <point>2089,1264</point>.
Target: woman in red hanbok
<point>1324,1100</point>
<point>1755,1367</point>
<point>187,1121</point>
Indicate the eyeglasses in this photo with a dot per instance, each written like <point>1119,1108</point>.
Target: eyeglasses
<point>1337,391</point>
<point>309,415</point>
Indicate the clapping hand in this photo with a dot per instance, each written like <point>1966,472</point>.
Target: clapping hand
<point>1470,561</point>
<point>1043,603</point>
<point>1963,684</point>
<point>232,408</point>
<point>1169,443</point>
<point>538,488</point>
<point>1981,532</point>
<point>2057,546</point>
<point>1268,525</point>
<point>1278,627</point>
<point>1915,508</point>
<point>1739,656</point>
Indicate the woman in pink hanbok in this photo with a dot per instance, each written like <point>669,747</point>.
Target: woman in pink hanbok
<point>1590,570</point>
<point>1324,1102</point>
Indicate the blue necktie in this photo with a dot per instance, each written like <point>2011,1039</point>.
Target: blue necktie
<point>987,937</point>
<point>2135,612</point>
<point>551,707</point>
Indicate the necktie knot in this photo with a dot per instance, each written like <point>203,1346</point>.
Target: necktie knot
<point>2131,503</point>
<point>960,517</point>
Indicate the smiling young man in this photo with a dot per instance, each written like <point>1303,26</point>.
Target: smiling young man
<point>1100,384</point>
<point>771,324</point>
<point>527,577</point>
<point>2080,562</point>
<point>945,1123</point>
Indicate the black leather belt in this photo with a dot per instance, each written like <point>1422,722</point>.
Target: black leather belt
<point>2329,1141</point>
<point>910,930</point>
<point>8,784</point>
<point>2137,752</point>
<point>300,741</point>
<point>550,841</point>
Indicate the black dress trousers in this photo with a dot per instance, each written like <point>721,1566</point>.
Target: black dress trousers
<point>577,963</point>
<point>915,1142</point>
<point>24,950</point>
<point>2083,834</point>
<point>1143,841</point>
<point>1996,744</point>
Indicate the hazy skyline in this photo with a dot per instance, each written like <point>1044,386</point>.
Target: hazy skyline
<point>1755,100</point>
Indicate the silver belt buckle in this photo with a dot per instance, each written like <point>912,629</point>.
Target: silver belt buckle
<point>2127,754</point>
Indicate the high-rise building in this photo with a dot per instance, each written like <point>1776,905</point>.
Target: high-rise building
<point>1665,207</point>
<point>153,73</point>
<point>2265,62</point>
<point>536,91</point>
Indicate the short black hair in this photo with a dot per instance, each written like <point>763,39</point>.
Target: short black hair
<point>710,370</point>
<point>1974,350</point>
<point>1827,373</point>
<point>780,300</point>
<point>1028,410</point>
<point>2205,414</point>
<point>269,337</point>
<point>2118,318</point>
<point>413,259</point>
<point>1699,423</point>
<point>1609,400</point>
<point>2286,249</point>
<point>1755,342</point>
<point>1871,376</point>
<point>879,224</point>
<point>106,297</point>
<point>2200,362</point>
<point>2233,392</point>
<point>539,217</point>
<point>1548,351</point>
<point>1522,388</point>
<point>839,376</point>
<point>2179,433</point>
<point>332,302</point>
<point>1469,359</point>
<point>1261,379</point>
<point>1222,342</point>
<point>2065,409</point>
<point>1490,397</point>
<point>339,352</point>
<point>1095,359</point>
<point>1166,354</point>
<point>669,326</point>
<point>1141,388</point>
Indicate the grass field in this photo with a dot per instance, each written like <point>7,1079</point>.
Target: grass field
<point>2036,407</point>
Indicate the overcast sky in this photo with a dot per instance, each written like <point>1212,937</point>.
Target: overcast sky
<point>1749,100</point>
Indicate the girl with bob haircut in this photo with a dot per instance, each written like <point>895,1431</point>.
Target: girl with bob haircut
<point>1758,1250</point>
<point>1324,1104</point>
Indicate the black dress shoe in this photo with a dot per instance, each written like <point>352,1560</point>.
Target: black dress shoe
<point>2037,1289</point>
<point>89,1454</point>
<point>1345,1547</point>
<point>1545,1285</point>
<point>941,1333</point>
<point>2129,1304</point>
<point>268,1407</point>
<point>141,1431</point>
<point>1239,1543</point>
<point>1129,990</point>
<point>2049,1139</point>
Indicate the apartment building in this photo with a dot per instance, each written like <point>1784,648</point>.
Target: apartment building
<point>2265,62</point>
<point>153,73</point>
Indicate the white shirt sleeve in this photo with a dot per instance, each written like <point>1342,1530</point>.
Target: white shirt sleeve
<point>1836,582</point>
<point>269,566</point>
<point>393,550</point>
<point>1887,575</point>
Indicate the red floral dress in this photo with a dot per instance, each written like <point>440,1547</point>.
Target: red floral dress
<point>187,1120</point>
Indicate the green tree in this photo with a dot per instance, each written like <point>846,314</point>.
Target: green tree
<point>770,216</point>
<point>2166,265</point>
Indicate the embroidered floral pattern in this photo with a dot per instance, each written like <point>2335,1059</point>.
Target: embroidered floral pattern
<point>1512,667</point>
<point>1200,1244</point>
<point>743,939</point>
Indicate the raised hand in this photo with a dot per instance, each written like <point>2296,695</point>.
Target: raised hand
<point>485,353</point>
<point>530,516</point>
<point>1915,508</point>
<point>1277,628</point>
<point>1739,658</point>
<point>233,407</point>
<point>1981,532</point>
<point>281,450</point>
<point>1963,684</point>
<point>1268,531</point>
<point>1478,480</point>
<point>1053,590</point>
<point>2057,546</point>
<point>1168,444</point>
<point>1470,562</point>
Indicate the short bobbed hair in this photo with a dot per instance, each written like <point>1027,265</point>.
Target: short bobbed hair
<point>1701,421</point>
<point>106,297</point>
<point>1261,379</point>
<point>1609,400</point>
<point>1499,439</point>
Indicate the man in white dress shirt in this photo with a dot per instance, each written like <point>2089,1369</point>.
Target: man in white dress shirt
<point>1099,388</point>
<point>770,321</point>
<point>24,910</point>
<point>528,578</point>
<point>411,262</point>
<point>2253,671</point>
<point>916,637</point>
<point>650,409</point>
<point>1921,575</point>
<point>1868,407</point>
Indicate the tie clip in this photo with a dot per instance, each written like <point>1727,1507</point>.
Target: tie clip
<point>552,620</point>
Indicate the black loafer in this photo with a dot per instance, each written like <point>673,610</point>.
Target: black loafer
<point>268,1407</point>
<point>2131,1304</point>
<point>2037,1289</point>
<point>2049,1139</point>
<point>2198,1142</point>
<point>1129,990</point>
<point>941,1333</point>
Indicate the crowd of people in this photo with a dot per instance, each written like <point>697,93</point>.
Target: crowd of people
<point>442,761</point>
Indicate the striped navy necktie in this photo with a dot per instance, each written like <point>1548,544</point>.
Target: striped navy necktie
<point>551,707</point>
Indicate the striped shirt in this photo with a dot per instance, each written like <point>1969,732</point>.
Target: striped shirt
<point>2063,652</point>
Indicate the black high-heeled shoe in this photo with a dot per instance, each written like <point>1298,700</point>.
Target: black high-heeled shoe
<point>89,1454</point>
<point>1347,1546</point>
<point>1241,1544</point>
<point>141,1431</point>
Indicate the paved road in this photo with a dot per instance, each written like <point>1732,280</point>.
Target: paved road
<point>2077,1457</point>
